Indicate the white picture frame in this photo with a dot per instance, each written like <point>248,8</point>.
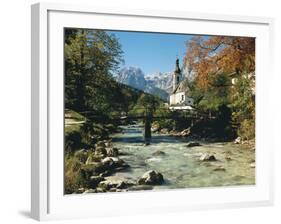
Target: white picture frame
<point>48,201</point>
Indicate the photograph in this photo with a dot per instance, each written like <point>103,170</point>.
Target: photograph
<point>149,111</point>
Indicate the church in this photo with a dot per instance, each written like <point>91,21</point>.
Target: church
<point>178,97</point>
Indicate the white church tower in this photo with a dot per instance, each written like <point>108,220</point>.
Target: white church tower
<point>179,100</point>
<point>176,75</point>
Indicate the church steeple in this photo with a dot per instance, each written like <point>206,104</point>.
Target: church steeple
<point>177,70</point>
<point>176,75</point>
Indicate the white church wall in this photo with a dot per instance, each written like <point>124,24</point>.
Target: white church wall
<point>172,99</point>
<point>180,98</point>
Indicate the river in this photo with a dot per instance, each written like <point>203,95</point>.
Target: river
<point>180,165</point>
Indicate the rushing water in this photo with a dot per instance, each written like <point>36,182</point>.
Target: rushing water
<point>180,165</point>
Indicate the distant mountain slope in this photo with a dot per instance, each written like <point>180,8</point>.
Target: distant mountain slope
<point>135,77</point>
<point>132,76</point>
<point>161,80</point>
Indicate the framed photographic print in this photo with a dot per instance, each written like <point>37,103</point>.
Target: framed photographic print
<point>148,111</point>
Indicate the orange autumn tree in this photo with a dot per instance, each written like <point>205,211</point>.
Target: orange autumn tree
<point>214,61</point>
<point>207,57</point>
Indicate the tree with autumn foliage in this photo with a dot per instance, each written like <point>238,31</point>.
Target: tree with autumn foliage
<point>216,62</point>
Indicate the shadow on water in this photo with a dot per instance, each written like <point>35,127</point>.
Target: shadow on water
<point>156,139</point>
<point>127,139</point>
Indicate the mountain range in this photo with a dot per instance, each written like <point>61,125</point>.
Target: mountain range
<point>159,84</point>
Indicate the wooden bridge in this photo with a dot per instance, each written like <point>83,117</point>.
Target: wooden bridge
<point>148,115</point>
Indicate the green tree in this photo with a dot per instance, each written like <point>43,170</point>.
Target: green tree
<point>216,95</point>
<point>91,58</point>
<point>243,104</point>
<point>165,122</point>
<point>146,105</point>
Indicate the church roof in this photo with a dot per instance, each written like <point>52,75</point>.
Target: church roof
<point>180,88</point>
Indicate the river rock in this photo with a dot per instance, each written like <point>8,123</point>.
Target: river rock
<point>253,165</point>
<point>185,132</point>
<point>108,162</point>
<point>100,190</point>
<point>95,180</point>
<point>100,144</point>
<point>100,151</point>
<point>89,191</point>
<point>164,131</point>
<point>104,174</point>
<point>158,153</point>
<point>219,168</point>
<point>114,189</point>
<point>238,140</point>
<point>151,177</point>
<point>116,182</point>
<point>228,158</point>
<point>174,133</point>
<point>155,128</point>
<point>93,159</point>
<point>80,190</point>
<point>113,152</point>
<point>108,143</point>
<point>193,144</point>
<point>208,157</point>
<point>114,163</point>
<point>117,160</point>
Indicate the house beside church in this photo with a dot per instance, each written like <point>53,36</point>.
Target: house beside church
<point>179,97</point>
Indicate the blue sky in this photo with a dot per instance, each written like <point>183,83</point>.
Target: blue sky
<point>152,52</point>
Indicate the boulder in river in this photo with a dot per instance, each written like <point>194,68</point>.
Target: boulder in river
<point>208,157</point>
<point>108,143</point>
<point>95,180</point>
<point>100,151</point>
<point>100,144</point>
<point>238,140</point>
<point>164,131</point>
<point>107,162</point>
<point>89,191</point>
<point>80,190</point>
<point>185,132</point>
<point>151,177</point>
<point>112,152</point>
<point>193,144</point>
<point>158,153</point>
<point>93,159</point>
<point>155,128</point>
<point>114,162</point>
<point>115,182</point>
